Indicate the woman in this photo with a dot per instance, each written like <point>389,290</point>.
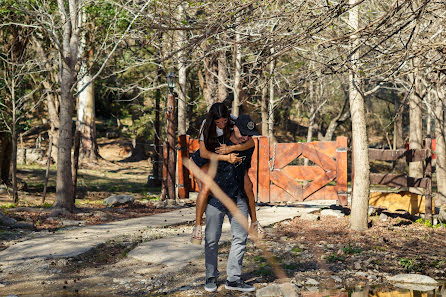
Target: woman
<point>218,124</point>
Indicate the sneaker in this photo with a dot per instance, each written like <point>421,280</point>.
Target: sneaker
<point>239,286</point>
<point>211,284</point>
<point>197,235</point>
<point>257,230</point>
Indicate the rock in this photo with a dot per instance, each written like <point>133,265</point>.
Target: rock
<point>372,211</point>
<point>383,217</point>
<point>413,279</point>
<point>358,265</point>
<point>116,200</point>
<point>311,282</point>
<point>337,279</point>
<point>24,225</point>
<point>310,217</point>
<point>3,190</point>
<point>285,290</point>
<point>442,215</point>
<point>6,221</point>
<point>332,213</point>
<point>72,223</point>
<point>2,285</point>
<point>415,287</point>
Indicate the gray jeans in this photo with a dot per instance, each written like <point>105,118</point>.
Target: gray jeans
<point>214,222</point>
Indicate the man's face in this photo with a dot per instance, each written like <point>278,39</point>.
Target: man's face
<point>239,135</point>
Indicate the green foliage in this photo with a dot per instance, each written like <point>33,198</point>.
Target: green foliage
<point>8,205</point>
<point>335,258</point>
<point>349,250</point>
<point>296,250</point>
<point>428,223</point>
<point>410,264</point>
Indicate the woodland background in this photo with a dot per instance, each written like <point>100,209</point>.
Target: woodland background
<point>304,70</point>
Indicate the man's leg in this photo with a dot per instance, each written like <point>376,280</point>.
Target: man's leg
<point>214,221</point>
<point>238,245</point>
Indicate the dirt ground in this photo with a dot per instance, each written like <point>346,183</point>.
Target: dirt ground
<point>325,251</point>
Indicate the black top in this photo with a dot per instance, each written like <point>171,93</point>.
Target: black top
<point>230,177</point>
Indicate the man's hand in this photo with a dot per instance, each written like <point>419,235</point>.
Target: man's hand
<point>223,149</point>
<point>233,158</point>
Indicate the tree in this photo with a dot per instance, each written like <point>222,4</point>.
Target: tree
<point>360,153</point>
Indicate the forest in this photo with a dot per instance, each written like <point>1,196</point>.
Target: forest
<point>79,76</point>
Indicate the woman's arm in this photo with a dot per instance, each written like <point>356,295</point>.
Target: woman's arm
<point>204,153</point>
<point>226,149</point>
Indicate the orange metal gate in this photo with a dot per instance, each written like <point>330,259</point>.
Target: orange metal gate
<point>274,176</point>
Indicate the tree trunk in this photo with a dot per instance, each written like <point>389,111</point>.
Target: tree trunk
<point>416,123</point>
<point>14,147</point>
<point>264,108</point>
<point>64,183</point>
<point>70,46</point>
<point>361,183</point>
<point>237,76</point>
<point>182,113</point>
<point>397,125</point>
<point>5,157</point>
<point>86,121</point>
<point>157,149</point>
<point>440,137</point>
<point>271,100</point>
<point>208,82</point>
<point>338,120</point>
<point>222,76</point>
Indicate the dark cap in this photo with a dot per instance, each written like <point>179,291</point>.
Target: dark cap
<point>246,125</point>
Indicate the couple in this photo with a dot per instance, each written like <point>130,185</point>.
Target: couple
<point>229,140</point>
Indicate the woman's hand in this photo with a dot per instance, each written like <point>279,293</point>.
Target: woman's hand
<point>223,149</point>
<point>233,158</point>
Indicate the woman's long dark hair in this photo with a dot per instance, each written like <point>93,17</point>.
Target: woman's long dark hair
<point>217,111</point>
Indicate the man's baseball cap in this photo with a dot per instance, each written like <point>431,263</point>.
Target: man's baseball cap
<point>246,125</point>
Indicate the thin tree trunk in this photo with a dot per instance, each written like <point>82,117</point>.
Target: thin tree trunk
<point>77,142</point>
<point>416,123</point>
<point>397,125</point>
<point>264,108</point>
<point>181,78</point>
<point>271,100</point>
<point>361,183</point>
<point>440,137</point>
<point>89,149</point>
<point>5,156</point>
<point>14,146</point>
<point>222,76</point>
<point>237,76</point>
<point>47,172</point>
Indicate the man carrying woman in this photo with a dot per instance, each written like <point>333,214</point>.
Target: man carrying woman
<point>230,177</point>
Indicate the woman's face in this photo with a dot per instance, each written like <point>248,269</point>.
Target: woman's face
<point>221,122</point>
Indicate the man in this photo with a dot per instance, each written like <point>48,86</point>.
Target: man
<point>230,178</point>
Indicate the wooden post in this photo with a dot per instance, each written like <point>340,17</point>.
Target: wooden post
<point>171,136</point>
<point>264,171</point>
<point>341,169</point>
<point>428,175</point>
<point>183,173</point>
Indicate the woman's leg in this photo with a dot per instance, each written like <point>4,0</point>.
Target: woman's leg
<point>202,199</point>
<point>200,206</point>
<point>250,194</point>
<point>256,228</point>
